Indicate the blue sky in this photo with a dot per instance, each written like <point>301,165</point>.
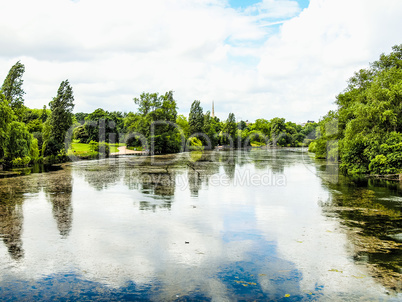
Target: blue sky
<point>242,4</point>
<point>258,59</point>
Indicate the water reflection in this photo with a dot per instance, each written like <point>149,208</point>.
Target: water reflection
<point>11,215</point>
<point>189,230</point>
<point>58,191</point>
<point>373,224</point>
<point>101,174</point>
<point>11,219</point>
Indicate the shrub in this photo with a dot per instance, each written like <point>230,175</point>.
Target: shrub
<point>103,149</point>
<point>194,144</point>
<point>96,149</point>
<point>21,162</point>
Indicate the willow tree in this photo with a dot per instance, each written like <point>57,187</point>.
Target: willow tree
<point>6,117</point>
<point>18,143</point>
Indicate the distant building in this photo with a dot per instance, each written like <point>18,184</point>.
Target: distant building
<point>304,124</point>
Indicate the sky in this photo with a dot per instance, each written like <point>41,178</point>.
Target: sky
<point>257,59</point>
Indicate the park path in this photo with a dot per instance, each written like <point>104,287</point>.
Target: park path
<point>124,151</point>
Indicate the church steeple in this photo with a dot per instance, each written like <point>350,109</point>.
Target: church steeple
<point>213,111</point>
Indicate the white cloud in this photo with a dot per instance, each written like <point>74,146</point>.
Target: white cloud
<point>274,9</point>
<point>314,54</point>
<point>206,50</point>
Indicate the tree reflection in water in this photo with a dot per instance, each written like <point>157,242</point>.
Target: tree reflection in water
<point>372,224</point>
<point>11,215</point>
<point>11,220</point>
<point>58,191</point>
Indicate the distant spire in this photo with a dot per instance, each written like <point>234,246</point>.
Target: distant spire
<point>213,111</point>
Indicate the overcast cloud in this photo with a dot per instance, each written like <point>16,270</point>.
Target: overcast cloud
<point>271,58</point>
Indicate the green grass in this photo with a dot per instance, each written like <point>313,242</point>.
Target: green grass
<point>136,148</point>
<point>81,149</point>
<point>113,147</point>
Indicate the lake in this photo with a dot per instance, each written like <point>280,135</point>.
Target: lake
<point>255,225</point>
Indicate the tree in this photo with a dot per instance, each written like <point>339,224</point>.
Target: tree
<point>100,126</point>
<point>182,122</point>
<point>147,103</point>
<point>242,125</point>
<point>80,117</point>
<point>262,125</point>
<point>156,121</point>
<point>366,129</point>
<point>6,117</point>
<point>277,127</point>
<point>12,89</point>
<point>44,114</point>
<point>80,134</point>
<point>209,129</point>
<point>196,118</point>
<point>229,129</point>
<point>18,142</point>
<point>61,118</point>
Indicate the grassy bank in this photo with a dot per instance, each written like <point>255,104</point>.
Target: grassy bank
<point>84,150</point>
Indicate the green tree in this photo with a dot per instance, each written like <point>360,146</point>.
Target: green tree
<point>262,125</point>
<point>18,142</point>
<point>34,151</point>
<point>369,119</point>
<point>196,118</point>
<point>229,129</point>
<point>80,117</point>
<point>182,122</point>
<point>101,126</point>
<point>277,127</point>
<point>35,125</point>
<point>209,129</point>
<point>80,134</point>
<point>6,117</point>
<point>156,121</point>
<point>147,102</point>
<point>12,89</point>
<point>44,115</point>
<point>61,118</point>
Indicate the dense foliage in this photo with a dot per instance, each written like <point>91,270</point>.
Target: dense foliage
<point>365,132</point>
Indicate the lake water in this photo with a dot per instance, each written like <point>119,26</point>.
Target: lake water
<point>233,226</point>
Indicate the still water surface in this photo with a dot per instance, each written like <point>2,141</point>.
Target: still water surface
<point>248,225</point>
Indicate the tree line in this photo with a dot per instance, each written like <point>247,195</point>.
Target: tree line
<point>364,134</point>
<point>44,135</point>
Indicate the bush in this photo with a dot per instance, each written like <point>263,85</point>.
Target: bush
<point>21,162</point>
<point>102,149</point>
<point>194,144</point>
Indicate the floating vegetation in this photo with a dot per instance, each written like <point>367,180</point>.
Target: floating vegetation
<point>372,224</point>
<point>335,270</point>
